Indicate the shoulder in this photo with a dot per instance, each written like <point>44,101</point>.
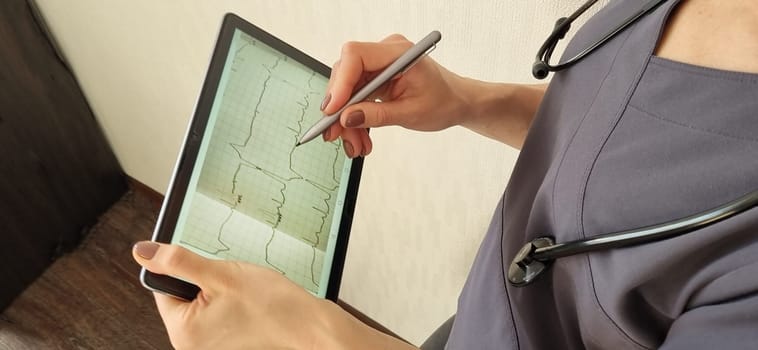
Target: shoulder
<point>718,34</point>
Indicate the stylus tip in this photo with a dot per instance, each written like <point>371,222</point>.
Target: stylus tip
<point>298,144</point>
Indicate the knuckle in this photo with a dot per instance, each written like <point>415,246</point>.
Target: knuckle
<point>336,65</point>
<point>172,257</point>
<point>350,48</point>
<point>396,37</point>
<point>382,116</point>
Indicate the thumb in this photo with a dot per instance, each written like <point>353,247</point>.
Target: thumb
<point>374,114</point>
<point>175,261</point>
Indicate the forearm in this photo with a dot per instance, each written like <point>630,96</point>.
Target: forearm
<point>502,112</point>
<point>344,331</point>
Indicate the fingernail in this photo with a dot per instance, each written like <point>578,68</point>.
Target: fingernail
<point>348,148</point>
<point>355,118</point>
<point>146,249</point>
<point>326,134</point>
<point>326,100</point>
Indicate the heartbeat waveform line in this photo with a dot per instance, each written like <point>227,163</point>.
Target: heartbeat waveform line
<point>275,218</point>
<point>275,214</point>
<point>236,173</point>
<point>237,147</point>
<point>255,109</point>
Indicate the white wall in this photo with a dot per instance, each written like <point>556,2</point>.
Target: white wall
<point>425,199</point>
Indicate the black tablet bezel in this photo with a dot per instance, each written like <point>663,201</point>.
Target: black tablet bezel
<point>182,173</point>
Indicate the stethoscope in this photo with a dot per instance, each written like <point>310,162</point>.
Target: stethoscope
<point>536,256</point>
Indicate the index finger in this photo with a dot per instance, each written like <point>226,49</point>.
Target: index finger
<point>356,61</point>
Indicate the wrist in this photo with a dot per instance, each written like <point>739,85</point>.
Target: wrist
<point>340,330</point>
<point>484,100</point>
<point>501,111</point>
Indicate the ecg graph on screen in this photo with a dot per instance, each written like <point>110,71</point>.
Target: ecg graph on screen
<point>260,198</point>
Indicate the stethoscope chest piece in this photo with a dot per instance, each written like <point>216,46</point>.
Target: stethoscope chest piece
<point>524,268</point>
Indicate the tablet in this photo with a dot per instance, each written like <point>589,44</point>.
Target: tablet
<point>241,189</point>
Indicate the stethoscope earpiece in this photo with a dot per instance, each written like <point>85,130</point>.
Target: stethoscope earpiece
<point>540,70</point>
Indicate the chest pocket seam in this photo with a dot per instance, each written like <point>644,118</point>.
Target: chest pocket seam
<point>692,127</point>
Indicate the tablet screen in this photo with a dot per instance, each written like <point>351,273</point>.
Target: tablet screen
<point>252,194</point>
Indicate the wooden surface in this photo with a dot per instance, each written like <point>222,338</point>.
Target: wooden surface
<point>57,172</point>
<point>92,298</point>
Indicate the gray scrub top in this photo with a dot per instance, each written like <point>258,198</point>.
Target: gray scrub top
<point>623,140</point>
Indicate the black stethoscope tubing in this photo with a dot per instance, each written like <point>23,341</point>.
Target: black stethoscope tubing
<point>650,233</point>
<point>542,66</point>
<point>535,256</point>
